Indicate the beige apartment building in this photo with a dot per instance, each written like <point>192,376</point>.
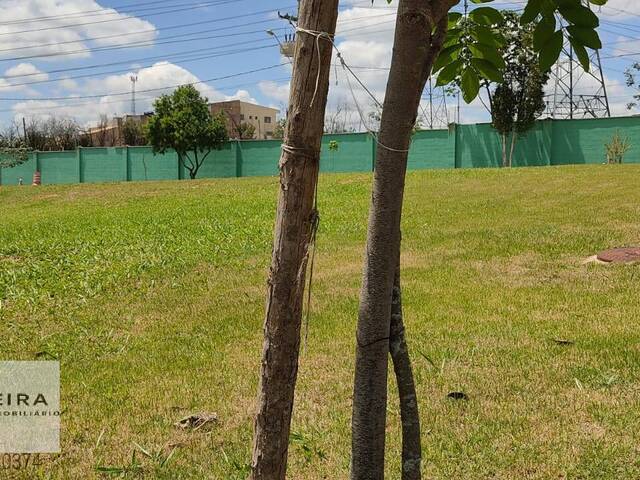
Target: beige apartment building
<point>237,113</point>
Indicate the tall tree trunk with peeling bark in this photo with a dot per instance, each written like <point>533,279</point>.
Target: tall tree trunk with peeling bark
<point>420,29</point>
<point>295,220</point>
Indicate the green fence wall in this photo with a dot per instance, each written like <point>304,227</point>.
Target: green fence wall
<point>551,142</point>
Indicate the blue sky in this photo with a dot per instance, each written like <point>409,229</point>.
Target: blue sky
<point>55,53</point>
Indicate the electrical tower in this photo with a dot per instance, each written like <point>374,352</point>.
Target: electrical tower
<point>576,93</point>
<point>134,79</point>
<point>435,115</point>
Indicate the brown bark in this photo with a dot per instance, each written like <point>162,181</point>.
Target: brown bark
<point>411,446</point>
<point>415,23</point>
<point>295,218</point>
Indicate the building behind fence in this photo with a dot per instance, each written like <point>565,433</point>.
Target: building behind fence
<point>551,142</point>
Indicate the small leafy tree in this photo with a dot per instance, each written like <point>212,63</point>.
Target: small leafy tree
<point>13,156</point>
<point>13,150</point>
<point>245,131</point>
<point>278,132</point>
<point>617,148</point>
<point>182,122</point>
<point>518,101</point>
<point>133,133</point>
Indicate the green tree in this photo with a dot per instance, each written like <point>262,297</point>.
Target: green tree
<point>518,101</point>
<point>182,122</point>
<point>13,156</point>
<point>133,133</point>
<point>245,131</point>
<point>278,132</point>
<point>429,39</point>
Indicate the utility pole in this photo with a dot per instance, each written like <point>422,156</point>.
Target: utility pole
<point>24,129</point>
<point>134,79</point>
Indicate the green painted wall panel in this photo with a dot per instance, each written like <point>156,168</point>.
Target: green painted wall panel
<point>259,158</point>
<point>478,146</point>
<point>219,163</point>
<point>59,167</point>
<point>353,155</point>
<point>534,148</point>
<point>432,149</point>
<point>103,164</point>
<point>583,141</point>
<point>147,166</point>
<point>12,176</point>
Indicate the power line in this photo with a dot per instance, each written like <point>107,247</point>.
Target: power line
<point>73,25</point>
<point>56,107</point>
<point>146,90</point>
<point>185,54</point>
<point>136,45</point>
<point>165,41</point>
<point>53,17</point>
<point>140,32</point>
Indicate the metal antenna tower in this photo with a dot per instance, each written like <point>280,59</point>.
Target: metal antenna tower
<point>134,79</point>
<point>436,115</point>
<point>576,93</point>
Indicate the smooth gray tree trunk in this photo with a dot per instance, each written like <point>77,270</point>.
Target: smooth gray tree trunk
<point>420,29</point>
<point>295,220</point>
<point>411,444</point>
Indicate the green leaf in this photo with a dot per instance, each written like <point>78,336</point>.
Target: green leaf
<point>581,53</point>
<point>446,56</point>
<point>487,70</point>
<point>586,36</point>
<point>551,51</point>
<point>531,11</point>
<point>598,2</point>
<point>454,18</point>
<point>541,35</point>
<point>487,52</point>
<point>486,16</point>
<point>470,85</point>
<point>487,36</point>
<point>449,73</point>
<point>580,15</point>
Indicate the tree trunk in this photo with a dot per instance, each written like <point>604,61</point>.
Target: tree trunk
<point>411,447</point>
<point>504,149</point>
<point>295,219</point>
<point>414,50</point>
<point>514,137</point>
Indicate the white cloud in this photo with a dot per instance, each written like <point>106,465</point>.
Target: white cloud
<point>160,78</point>
<point>279,92</point>
<point>63,31</point>
<point>17,74</point>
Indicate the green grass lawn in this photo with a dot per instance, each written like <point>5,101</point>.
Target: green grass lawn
<point>151,295</point>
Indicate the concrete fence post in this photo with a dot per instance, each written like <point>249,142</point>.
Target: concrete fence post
<point>238,147</point>
<point>457,159</point>
<point>127,159</point>
<point>81,178</point>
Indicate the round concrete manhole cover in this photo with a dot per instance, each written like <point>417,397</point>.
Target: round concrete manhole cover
<point>620,255</point>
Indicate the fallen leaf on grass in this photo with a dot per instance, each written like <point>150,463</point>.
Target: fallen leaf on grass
<point>197,421</point>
